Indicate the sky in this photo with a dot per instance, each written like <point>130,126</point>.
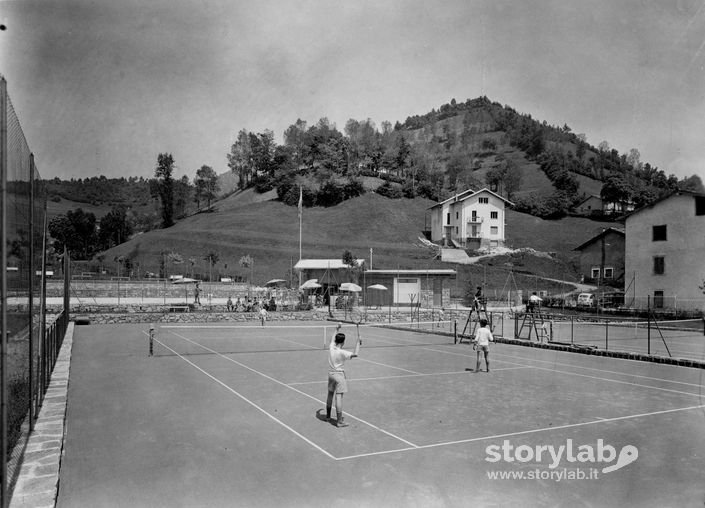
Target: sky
<point>101,87</point>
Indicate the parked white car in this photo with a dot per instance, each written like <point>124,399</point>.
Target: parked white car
<point>586,300</point>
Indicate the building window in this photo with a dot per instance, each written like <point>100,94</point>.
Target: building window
<point>474,216</point>
<point>494,230</point>
<point>658,299</point>
<point>494,215</point>
<point>659,233</point>
<point>595,273</point>
<point>448,218</point>
<point>484,201</point>
<point>456,215</point>
<point>659,265</point>
<point>609,272</point>
<point>699,205</point>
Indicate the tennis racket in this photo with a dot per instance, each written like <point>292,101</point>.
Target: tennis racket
<point>357,317</point>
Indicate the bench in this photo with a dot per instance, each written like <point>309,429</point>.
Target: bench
<point>179,308</point>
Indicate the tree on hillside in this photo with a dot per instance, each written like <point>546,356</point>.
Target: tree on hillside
<point>163,174</point>
<point>692,183</point>
<point>634,159</point>
<point>173,258</point>
<point>617,190</point>
<point>402,155</point>
<point>505,178</point>
<point>240,159</point>
<point>248,263</point>
<point>77,232</point>
<point>212,257</point>
<point>456,165</point>
<point>263,146</point>
<point>353,268</point>
<point>182,191</point>
<point>207,187</point>
<point>115,228</point>
<point>192,262</point>
<point>295,137</point>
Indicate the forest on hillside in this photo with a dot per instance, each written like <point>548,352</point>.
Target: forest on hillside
<point>471,144</point>
<point>438,154</point>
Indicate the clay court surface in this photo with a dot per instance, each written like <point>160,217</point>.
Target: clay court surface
<point>227,416</point>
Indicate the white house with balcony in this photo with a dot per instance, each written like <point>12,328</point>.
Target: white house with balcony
<point>665,253</point>
<point>470,220</point>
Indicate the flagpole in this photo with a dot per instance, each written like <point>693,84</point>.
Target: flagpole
<point>300,226</point>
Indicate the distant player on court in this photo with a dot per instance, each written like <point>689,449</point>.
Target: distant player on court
<point>337,384</point>
<point>483,337</point>
<point>478,300</point>
<point>263,315</point>
<point>534,302</point>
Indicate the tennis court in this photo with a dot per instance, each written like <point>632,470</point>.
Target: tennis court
<point>233,415</point>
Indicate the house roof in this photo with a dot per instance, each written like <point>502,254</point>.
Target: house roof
<point>455,197</point>
<point>595,238</point>
<point>664,198</point>
<point>439,271</point>
<point>591,196</point>
<point>323,264</point>
<point>462,196</point>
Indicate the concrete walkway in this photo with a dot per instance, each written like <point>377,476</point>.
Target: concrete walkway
<point>38,479</point>
<point>455,256</point>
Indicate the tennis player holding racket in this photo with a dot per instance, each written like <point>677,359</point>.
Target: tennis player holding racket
<point>337,384</point>
<point>483,337</point>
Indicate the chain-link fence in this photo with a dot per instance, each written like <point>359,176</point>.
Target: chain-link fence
<point>29,344</point>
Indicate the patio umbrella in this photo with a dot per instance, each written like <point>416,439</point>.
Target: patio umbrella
<point>310,284</point>
<point>349,286</point>
<point>378,287</point>
<point>185,280</point>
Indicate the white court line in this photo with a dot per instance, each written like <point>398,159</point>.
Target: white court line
<point>294,389</point>
<point>382,378</point>
<point>585,375</point>
<point>581,375</point>
<point>523,432</point>
<point>612,380</point>
<point>258,408</point>
<point>602,370</point>
<point>359,357</point>
<point>434,445</point>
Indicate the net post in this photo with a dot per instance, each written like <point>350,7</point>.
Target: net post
<point>607,328</point>
<point>151,339</point>
<point>455,331</point>
<point>648,324</point>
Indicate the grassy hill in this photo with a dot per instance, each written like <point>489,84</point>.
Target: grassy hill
<point>248,224</point>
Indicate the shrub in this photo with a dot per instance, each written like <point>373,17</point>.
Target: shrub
<point>389,191</point>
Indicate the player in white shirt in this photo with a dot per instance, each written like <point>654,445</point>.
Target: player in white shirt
<point>483,337</point>
<point>337,384</point>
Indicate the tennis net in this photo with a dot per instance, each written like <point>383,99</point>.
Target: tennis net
<point>673,338</point>
<point>223,338</point>
<point>575,331</point>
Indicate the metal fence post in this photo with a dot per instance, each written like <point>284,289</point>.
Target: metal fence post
<point>3,290</point>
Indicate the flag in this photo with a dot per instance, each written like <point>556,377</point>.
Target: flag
<point>301,201</point>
